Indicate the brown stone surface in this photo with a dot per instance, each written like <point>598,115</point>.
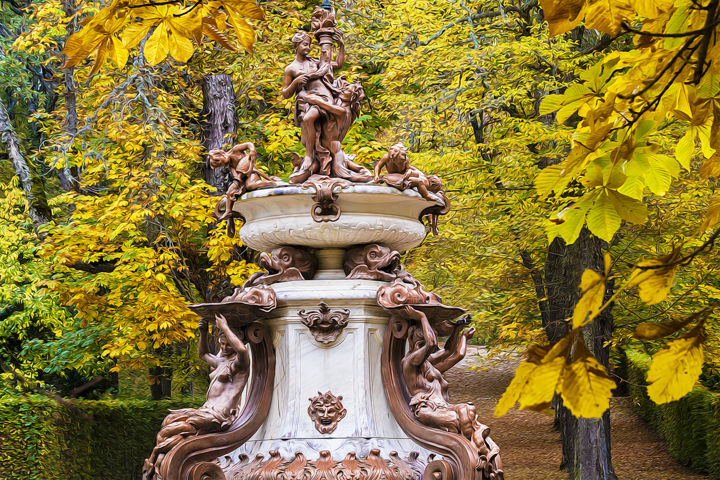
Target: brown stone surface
<point>531,450</point>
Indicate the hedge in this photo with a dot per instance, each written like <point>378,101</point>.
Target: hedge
<point>41,439</point>
<point>690,426</point>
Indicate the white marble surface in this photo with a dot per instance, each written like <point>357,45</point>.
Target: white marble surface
<point>369,214</point>
<point>350,367</point>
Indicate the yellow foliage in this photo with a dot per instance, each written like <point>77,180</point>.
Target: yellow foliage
<point>592,286</point>
<point>586,386</point>
<point>676,367</point>
<point>654,278</point>
<point>122,25</point>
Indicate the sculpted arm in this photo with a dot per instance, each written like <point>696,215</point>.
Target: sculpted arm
<point>292,84</point>
<point>203,349</point>
<point>327,106</point>
<point>458,353</point>
<point>237,344</point>
<point>380,165</point>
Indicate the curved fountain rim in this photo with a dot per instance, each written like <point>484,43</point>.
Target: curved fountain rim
<point>352,188</point>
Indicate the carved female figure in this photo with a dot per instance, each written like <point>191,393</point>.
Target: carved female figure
<point>229,375</point>
<point>305,75</point>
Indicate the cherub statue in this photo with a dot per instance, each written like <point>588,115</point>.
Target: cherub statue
<point>230,370</point>
<point>402,175</point>
<point>240,159</point>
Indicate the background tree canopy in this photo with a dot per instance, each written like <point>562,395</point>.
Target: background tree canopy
<point>581,155</point>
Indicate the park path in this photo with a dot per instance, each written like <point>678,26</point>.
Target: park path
<point>530,448</point>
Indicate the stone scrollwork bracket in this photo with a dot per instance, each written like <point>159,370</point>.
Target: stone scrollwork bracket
<point>326,194</point>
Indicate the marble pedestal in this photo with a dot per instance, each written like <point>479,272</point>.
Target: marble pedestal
<point>348,367</point>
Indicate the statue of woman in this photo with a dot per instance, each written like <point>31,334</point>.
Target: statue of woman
<point>305,75</point>
<point>230,370</point>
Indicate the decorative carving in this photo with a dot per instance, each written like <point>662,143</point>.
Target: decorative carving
<point>374,262</point>
<point>326,194</point>
<point>326,468</point>
<point>284,264</point>
<point>191,440</point>
<point>325,324</point>
<point>412,368</point>
<point>324,107</point>
<point>402,175</point>
<point>230,371</point>
<point>437,316</point>
<point>240,160</point>
<point>243,306</point>
<point>326,410</point>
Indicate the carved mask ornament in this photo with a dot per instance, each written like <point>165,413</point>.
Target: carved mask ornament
<point>326,410</point>
<point>325,324</point>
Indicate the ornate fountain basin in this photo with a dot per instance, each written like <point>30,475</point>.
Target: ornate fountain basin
<point>368,214</point>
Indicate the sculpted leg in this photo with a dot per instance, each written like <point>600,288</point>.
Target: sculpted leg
<point>308,135</point>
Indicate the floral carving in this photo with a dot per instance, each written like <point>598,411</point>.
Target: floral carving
<point>325,324</point>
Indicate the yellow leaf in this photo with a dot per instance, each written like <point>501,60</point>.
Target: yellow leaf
<point>134,33</point>
<point>592,286</point>
<point>676,368</point>
<point>117,52</point>
<point>79,45</point>
<point>712,216</point>
<point>586,386</point>
<point>243,30</point>
<point>655,330</point>
<point>100,56</point>
<point>629,209</point>
<point>156,47</point>
<point>655,283</point>
<point>181,48</point>
<point>562,16</point>
<point>602,219</point>
<point>539,390</point>
<point>608,15</point>
<point>685,148</point>
<point>513,391</point>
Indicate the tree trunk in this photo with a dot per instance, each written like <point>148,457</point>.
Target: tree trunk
<point>69,175</point>
<point>585,441</point>
<point>218,122</point>
<point>38,208</point>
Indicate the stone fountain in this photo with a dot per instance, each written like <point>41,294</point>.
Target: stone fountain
<point>329,364</point>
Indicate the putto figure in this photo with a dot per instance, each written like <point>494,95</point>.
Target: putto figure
<point>229,375</point>
<point>240,159</point>
<point>402,175</point>
<point>324,107</point>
